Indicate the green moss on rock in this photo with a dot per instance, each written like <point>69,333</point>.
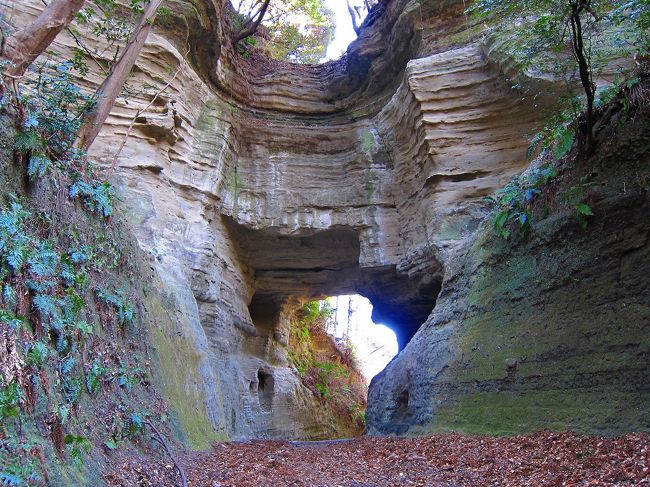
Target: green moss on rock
<point>179,362</point>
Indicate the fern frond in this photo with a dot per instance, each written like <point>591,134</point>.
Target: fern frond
<point>38,166</point>
<point>43,260</point>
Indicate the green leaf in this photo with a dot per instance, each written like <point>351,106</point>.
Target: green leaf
<point>534,144</point>
<point>563,142</point>
<point>37,355</point>
<point>38,166</point>
<point>110,444</point>
<point>500,219</point>
<point>10,479</point>
<point>84,327</point>
<point>584,209</point>
<point>43,260</point>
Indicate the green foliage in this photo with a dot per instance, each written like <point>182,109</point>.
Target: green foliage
<point>79,63</point>
<point>563,141</point>
<point>572,39</point>
<point>322,390</point>
<point>610,92</point>
<point>13,241</point>
<point>111,444</point>
<point>558,133</point>
<point>301,361</point>
<point>313,313</point>
<point>17,469</point>
<point>37,354</point>
<point>288,42</point>
<point>9,478</point>
<point>331,369</point>
<point>638,13</point>
<point>56,279</point>
<point>38,166</point>
<point>575,198</point>
<point>112,21</point>
<point>539,35</point>
<point>54,110</point>
<point>325,374</point>
<point>298,30</point>
<point>512,204</point>
<point>96,196</point>
<point>164,15</point>
<point>71,383</point>
<point>357,412</point>
<point>582,212</point>
<point>95,375</point>
<point>12,321</point>
<point>128,376</point>
<point>10,400</point>
<point>76,447</point>
<point>46,303</point>
<point>125,311</point>
<point>135,425</point>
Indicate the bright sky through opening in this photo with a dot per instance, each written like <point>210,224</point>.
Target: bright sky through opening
<point>374,345</point>
<point>343,32</point>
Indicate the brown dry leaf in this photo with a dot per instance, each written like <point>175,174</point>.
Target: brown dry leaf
<point>540,459</point>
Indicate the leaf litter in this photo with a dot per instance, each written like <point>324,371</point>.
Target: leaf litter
<point>541,459</point>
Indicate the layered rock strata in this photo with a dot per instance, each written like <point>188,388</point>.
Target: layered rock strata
<point>550,331</point>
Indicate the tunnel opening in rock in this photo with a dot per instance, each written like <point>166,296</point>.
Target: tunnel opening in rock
<point>265,390</point>
<point>374,345</point>
<point>314,264</point>
<point>265,311</point>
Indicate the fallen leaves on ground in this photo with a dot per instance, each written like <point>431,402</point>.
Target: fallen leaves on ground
<point>540,459</point>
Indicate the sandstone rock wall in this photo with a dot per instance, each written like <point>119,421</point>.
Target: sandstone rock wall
<point>252,181</point>
<point>550,331</point>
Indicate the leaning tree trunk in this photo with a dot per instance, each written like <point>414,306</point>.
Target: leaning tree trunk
<point>255,24</point>
<point>584,69</point>
<point>112,85</point>
<point>27,44</point>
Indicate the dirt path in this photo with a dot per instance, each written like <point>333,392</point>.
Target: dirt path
<point>541,459</point>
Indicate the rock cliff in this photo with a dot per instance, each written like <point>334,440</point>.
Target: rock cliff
<point>252,181</point>
<point>550,331</point>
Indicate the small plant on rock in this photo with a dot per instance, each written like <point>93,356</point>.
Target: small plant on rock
<point>514,202</point>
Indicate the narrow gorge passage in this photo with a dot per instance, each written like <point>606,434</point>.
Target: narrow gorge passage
<point>171,297</point>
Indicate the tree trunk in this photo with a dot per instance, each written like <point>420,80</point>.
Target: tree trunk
<point>584,69</point>
<point>112,85</point>
<point>253,28</point>
<point>353,16</point>
<point>27,44</point>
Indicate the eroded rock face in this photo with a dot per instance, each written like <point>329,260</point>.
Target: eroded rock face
<point>255,181</point>
<point>551,331</point>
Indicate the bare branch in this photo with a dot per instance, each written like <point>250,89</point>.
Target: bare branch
<point>161,439</point>
<point>140,111</point>
<point>353,16</point>
<point>109,90</point>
